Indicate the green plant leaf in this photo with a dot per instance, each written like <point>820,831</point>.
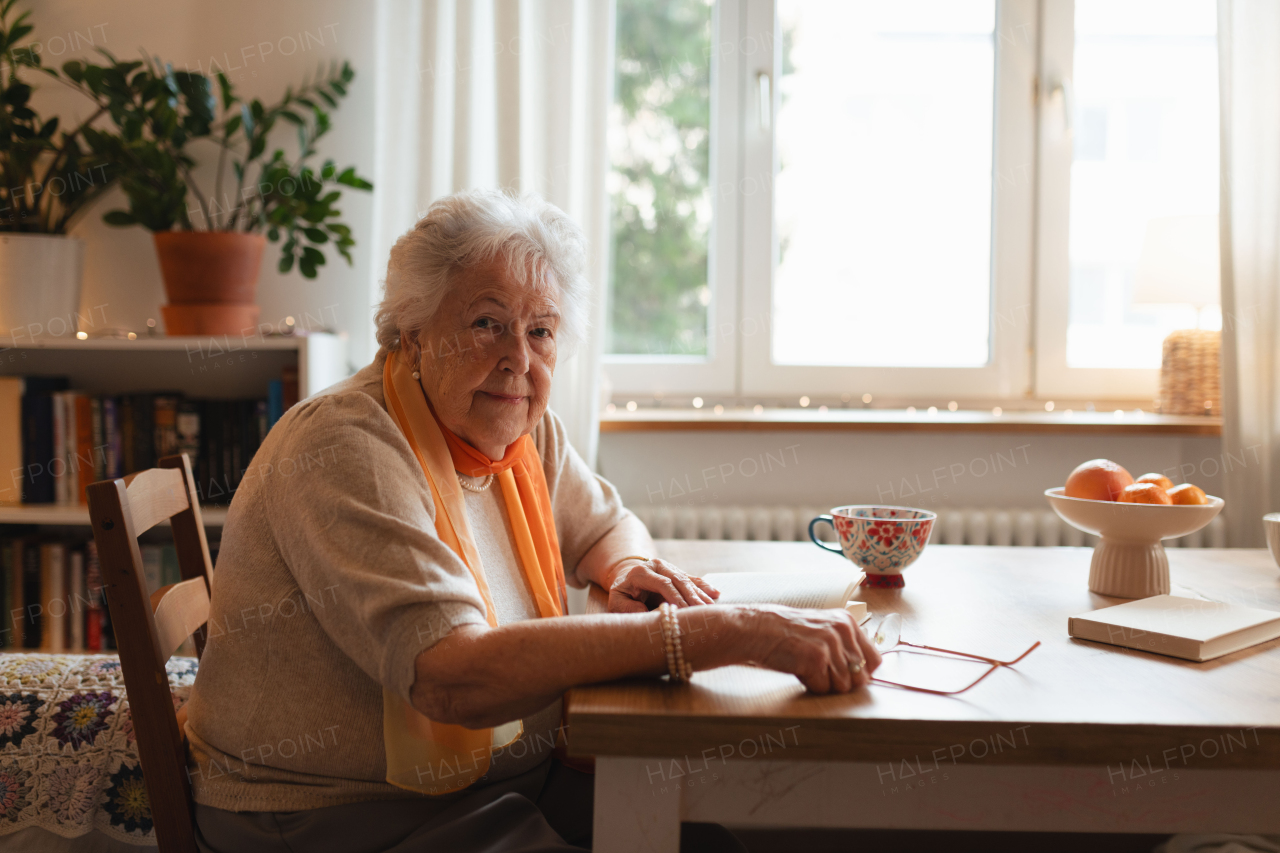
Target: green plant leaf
<point>351,179</point>
<point>286,262</point>
<point>119,218</point>
<point>314,256</point>
<point>315,235</point>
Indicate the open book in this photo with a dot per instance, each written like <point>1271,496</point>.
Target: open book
<point>821,590</point>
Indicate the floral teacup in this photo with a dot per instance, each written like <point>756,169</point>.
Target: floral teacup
<point>880,540</point>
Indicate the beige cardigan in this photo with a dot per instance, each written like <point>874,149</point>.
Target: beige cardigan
<point>330,581</point>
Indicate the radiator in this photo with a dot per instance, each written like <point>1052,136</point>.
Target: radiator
<point>1026,528</point>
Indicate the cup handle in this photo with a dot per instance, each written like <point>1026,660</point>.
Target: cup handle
<point>816,541</point>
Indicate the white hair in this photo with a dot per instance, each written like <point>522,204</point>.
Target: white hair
<point>539,242</point>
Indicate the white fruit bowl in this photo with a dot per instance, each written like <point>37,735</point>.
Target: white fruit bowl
<point>1129,561</point>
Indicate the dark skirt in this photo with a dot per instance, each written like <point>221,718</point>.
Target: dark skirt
<point>546,810</point>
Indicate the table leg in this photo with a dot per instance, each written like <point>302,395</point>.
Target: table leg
<point>637,810</point>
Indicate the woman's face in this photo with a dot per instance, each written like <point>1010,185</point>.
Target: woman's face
<point>487,357</point>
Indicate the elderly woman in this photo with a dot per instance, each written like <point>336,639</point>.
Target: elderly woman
<point>389,643</point>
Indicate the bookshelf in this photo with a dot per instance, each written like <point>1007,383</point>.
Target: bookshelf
<point>206,367</point>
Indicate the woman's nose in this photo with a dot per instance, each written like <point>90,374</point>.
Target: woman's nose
<point>516,353</point>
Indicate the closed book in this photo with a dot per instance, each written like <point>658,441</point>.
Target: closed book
<point>58,461</point>
<point>71,492</point>
<point>144,439</point>
<point>86,461</point>
<point>187,424</point>
<point>164,418</point>
<point>127,443</point>
<point>112,438</point>
<point>14,583</point>
<point>53,598</point>
<point>37,437</point>
<point>1187,628</point>
<point>77,599</point>
<point>32,614</point>
<point>275,402</point>
<point>289,379</point>
<point>11,440</point>
<point>227,414</point>
<point>93,592</point>
<point>7,548</point>
<point>99,440</point>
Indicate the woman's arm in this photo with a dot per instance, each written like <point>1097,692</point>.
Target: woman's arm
<point>632,583</point>
<point>479,676</point>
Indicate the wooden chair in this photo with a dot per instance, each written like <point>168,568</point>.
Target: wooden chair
<point>148,629</point>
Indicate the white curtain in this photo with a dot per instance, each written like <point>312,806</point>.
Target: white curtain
<point>509,93</point>
<point>1249,47</point>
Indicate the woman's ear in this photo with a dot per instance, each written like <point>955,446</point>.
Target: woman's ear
<point>409,346</point>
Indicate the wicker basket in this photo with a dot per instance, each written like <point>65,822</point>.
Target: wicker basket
<point>1190,373</point>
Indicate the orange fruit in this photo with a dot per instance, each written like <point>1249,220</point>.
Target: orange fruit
<point>1098,480</point>
<point>1187,494</point>
<point>1159,479</point>
<point>1144,493</point>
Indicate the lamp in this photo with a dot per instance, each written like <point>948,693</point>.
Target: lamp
<point>1179,265</point>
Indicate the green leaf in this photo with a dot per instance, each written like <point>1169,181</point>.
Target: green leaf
<point>228,93</point>
<point>307,270</point>
<point>314,256</point>
<point>286,262</point>
<point>351,179</point>
<point>273,234</point>
<point>315,235</point>
<point>119,218</point>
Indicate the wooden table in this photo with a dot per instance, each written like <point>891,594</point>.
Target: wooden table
<point>1080,736</point>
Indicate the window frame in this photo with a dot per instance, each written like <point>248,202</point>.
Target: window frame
<point>715,373</point>
<point>1053,377</point>
<point>1030,272</point>
<point>1007,374</point>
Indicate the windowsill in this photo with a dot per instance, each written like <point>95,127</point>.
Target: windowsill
<point>899,420</point>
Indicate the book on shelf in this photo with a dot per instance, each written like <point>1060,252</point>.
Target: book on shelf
<point>11,461</point>
<point>51,589</point>
<point>55,440</point>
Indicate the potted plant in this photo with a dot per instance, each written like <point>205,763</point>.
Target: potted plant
<point>210,244</point>
<point>47,178</point>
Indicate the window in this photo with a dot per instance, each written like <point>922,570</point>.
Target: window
<point>1138,150</point>
<point>923,200</point>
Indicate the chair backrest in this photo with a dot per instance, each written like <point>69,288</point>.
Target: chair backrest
<point>149,628</point>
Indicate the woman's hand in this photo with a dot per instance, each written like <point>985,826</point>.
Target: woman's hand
<point>636,584</point>
<point>825,649</point>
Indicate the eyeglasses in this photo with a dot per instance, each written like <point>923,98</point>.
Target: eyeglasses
<point>888,640</point>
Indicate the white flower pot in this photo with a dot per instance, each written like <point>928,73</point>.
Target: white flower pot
<point>40,278</point>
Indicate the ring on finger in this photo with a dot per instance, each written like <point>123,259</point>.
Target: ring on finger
<point>856,668</point>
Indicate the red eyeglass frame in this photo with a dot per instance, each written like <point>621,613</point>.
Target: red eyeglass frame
<point>995,664</point>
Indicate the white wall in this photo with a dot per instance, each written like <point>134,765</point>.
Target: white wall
<point>928,470</point>
<point>249,40</point>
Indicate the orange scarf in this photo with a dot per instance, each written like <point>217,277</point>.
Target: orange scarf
<point>423,755</point>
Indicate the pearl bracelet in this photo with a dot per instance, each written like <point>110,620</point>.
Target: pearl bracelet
<point>677,666</point>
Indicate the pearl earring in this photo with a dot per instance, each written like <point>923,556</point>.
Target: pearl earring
<point>417,375</point>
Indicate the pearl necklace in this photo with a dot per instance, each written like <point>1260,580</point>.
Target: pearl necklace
<point>471,487</point>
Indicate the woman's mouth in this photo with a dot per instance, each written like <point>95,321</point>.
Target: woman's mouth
<point>509,399</point>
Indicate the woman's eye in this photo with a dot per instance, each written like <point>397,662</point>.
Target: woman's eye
<point>541,333</point>
<point>484,323</point>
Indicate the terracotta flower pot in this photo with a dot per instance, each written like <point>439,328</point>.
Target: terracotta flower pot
<point>210,279</point>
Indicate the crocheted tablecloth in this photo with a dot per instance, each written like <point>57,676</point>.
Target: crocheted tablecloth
<point>68,756</point>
